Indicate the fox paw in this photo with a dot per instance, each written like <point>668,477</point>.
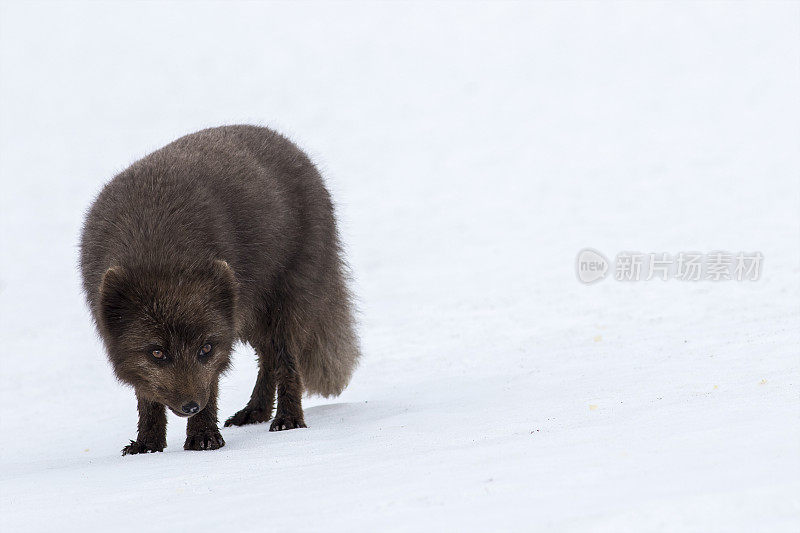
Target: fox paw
<point>248,416</point>
<point>209,439</point>
<point>143,447</point>
<point>282,422</point>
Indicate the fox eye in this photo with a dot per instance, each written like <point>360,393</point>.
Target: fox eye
<point>158,354</point>
<point>205,350</point>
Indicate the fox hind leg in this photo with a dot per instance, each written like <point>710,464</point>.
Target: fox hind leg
<point>262,400</point>
<point>289,414</point>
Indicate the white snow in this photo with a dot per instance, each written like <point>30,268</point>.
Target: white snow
<point>473,150</point>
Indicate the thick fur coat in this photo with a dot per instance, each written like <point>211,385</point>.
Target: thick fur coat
<point>224,235</point>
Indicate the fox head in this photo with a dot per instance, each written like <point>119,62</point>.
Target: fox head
<point>169,333</point>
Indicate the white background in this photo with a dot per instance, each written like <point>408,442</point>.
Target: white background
<point>473,150</point>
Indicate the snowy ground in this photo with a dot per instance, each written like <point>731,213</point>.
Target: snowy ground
<point>473,150</point>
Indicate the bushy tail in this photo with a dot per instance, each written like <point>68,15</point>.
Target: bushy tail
<point>327,345</point>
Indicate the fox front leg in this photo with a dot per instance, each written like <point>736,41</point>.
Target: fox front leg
<point>152,436</point>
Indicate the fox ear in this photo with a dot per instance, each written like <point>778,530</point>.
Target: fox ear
<point>224,273</point>
<point>110,276</point>
<point>226,285</point>
<point>113,303</point>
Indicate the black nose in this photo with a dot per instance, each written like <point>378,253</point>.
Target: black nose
<point>190,408</point>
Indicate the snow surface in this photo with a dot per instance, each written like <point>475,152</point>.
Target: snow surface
<point>473,150</point>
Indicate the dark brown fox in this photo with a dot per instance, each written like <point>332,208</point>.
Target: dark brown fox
<point>224,235</point>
